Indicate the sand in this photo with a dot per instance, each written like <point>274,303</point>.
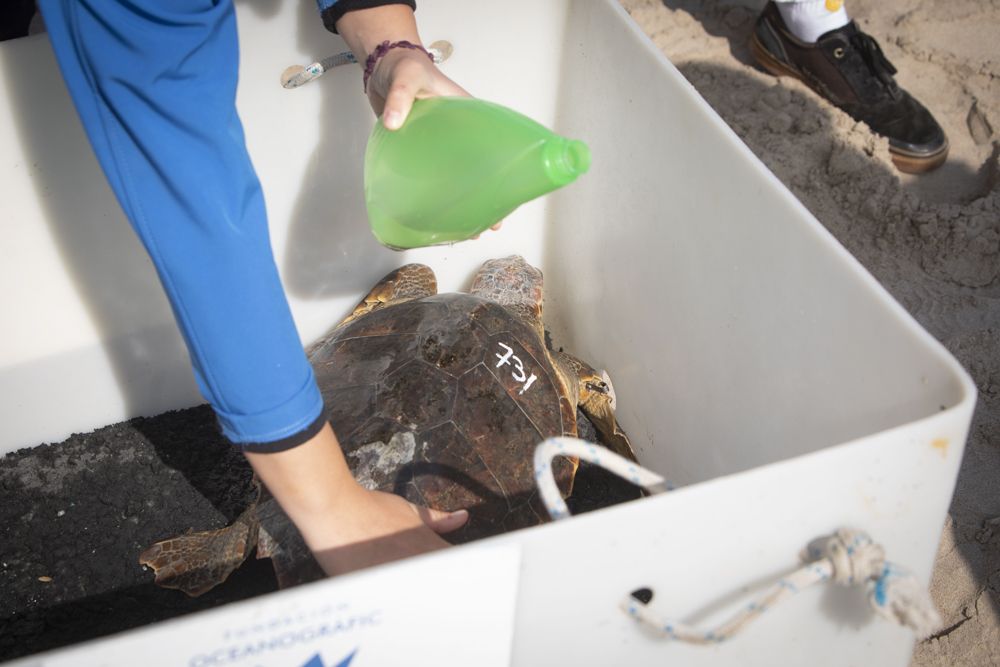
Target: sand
<point>931,240</point>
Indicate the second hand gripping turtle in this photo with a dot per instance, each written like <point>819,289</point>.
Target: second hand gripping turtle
<point>440,398</point>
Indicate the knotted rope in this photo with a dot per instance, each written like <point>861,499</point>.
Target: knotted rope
<point>848,558</point>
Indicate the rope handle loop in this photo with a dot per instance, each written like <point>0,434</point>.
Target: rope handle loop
<point>596,454</point>
<point>847,557</point>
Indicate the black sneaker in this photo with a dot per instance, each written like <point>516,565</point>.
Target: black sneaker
<point>847,67</point>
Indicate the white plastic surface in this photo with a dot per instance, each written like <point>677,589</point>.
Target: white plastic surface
<point>358,621</point>
<point>756,363</point>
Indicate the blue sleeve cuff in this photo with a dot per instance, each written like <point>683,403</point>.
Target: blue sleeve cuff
<point>332,10</point>
<point>288,442</point>
<point>283,427</point>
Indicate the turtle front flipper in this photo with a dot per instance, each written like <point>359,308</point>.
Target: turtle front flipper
<point>198,562</point>
<point>596,398</point>
<point>412,281</point>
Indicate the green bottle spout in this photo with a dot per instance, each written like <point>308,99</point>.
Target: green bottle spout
<point>566,159</point>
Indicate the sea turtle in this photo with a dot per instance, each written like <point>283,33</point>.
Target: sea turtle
<point>440,398</point>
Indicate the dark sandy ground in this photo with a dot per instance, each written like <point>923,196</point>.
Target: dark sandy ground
<point>74,517</point>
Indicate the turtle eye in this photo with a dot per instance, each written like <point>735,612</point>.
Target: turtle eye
<point>600,387</point>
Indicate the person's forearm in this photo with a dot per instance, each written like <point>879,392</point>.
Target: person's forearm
<point>365,29</point>
<point>311,482</point>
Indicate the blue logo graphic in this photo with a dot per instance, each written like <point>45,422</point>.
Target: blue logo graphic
<point>317,661</point>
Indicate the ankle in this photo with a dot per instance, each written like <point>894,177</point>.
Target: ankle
<point>809,19</point>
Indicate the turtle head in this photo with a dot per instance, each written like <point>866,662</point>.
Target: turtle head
<point>598,402</point>
<point>597,394</point>
<point>596,398</point>
<point>510,282</point>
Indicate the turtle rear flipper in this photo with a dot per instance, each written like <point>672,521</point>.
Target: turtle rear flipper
<point>596,398</point>
<point>198,562</point>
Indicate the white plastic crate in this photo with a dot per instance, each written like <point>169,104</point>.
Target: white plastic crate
<point>758,366</point>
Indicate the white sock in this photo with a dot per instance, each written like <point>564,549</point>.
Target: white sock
<point>808,19</point>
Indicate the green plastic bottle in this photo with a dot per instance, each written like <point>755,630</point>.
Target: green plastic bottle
<point>457,166</point>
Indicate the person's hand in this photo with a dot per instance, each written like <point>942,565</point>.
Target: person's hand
<point>346,526</point>
<point>402,76</point>
<point>372,527</point>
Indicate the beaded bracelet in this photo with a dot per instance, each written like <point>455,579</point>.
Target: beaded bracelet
<point>383,49</point>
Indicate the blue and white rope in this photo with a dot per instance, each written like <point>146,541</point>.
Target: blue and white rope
<point>296,75</point>
<point>848,558</point>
